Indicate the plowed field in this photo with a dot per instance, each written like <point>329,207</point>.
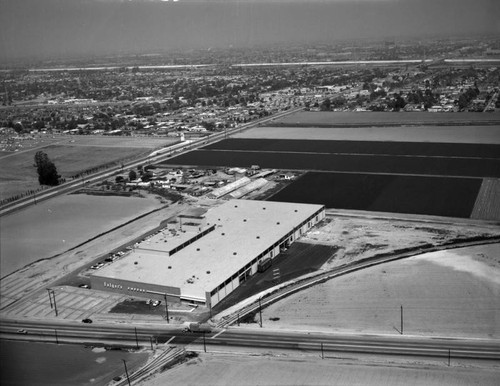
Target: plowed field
<point>394,164</point>
<point>438,196</point>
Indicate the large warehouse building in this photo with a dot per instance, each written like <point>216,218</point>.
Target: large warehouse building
<point>209,254</point>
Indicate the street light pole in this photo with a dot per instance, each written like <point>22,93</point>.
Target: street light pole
<point>55,305</point>
<point>50,298</point>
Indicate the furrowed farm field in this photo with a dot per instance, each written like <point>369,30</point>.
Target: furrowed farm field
<point>332,119</point>
<point>360,147</point>
<point>468,167</point>
<point>438,196</point>
<point>71,155</point>
<point>441,179</point>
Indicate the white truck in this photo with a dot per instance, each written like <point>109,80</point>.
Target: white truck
<point>196,327</point>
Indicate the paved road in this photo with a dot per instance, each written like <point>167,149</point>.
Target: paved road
<point>143,336</point>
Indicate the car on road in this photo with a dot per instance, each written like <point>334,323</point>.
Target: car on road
<point>156,303</point>
<point>84,286</point>
<point>87,320</point>
<point>22,331</point>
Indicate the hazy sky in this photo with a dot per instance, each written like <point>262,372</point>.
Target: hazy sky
<point>66,27</point>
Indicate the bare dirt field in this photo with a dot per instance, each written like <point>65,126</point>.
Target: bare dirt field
<point>446,134</point>
<point>451,293</point>
<point>365,235</point>
<point>71,155</point>
<point>228,370</point>
<point>53,226</point>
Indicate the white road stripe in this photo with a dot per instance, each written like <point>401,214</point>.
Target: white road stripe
<point>216,335</point>
<point>170,340</point>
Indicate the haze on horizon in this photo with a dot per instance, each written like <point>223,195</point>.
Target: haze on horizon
<point>63,28</point>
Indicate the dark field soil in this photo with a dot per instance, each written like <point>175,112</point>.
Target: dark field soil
<point>463,167</point>
<point>439,196</point>
<point>461,150</point>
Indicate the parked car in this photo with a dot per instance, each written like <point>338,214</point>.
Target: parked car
<point>87,320</point>
<point>84,286</point>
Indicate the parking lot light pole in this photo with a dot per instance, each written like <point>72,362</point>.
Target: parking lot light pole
<point>52,296</point>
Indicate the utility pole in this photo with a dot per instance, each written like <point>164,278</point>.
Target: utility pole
<point>57,340</point>
<point>136,339</point>
<point>166,308</point>
<point>204,342</point>
<point>126,371</point>
<point>260,313</point>
<point>401,320</point>
<point>322,354</point>
<point>449,357</point>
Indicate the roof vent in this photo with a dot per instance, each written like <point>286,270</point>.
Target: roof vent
<point>234,253</point>
<point>258,237</point>
<point>244,220</point>
<point>296,210</point>
<point>264,208</point>
<point>223,234</point>
<point>169,267</point>
<point>278,223</point>
<point>135,262</point>
<point>208,272</point>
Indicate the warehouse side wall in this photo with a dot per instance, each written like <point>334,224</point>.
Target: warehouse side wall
<point>230,284</point>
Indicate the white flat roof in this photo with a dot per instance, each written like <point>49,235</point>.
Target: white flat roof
<point>244,229</point>
<point>168,239</point>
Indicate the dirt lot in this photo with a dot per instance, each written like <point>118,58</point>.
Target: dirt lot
<point>366,235</point>
<point>53,226</point>
<point>447,293</point>
<point>447,134</point>
<point>281,369</point>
